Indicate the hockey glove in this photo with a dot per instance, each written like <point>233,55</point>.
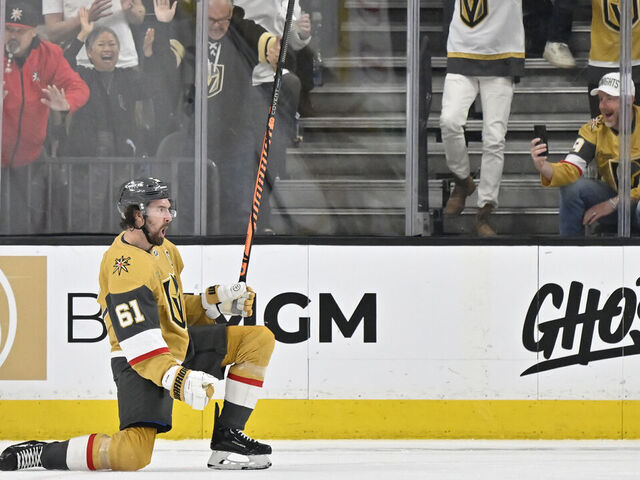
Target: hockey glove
<point>235,299</point>
<point>193,387</point>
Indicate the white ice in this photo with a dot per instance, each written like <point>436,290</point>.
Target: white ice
<point>389,460</point>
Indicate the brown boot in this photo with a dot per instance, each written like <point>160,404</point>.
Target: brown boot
<point>461,190</point>
<point>483,229</point>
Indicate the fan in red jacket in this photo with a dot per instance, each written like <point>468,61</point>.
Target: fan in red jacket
<point>37,78</point>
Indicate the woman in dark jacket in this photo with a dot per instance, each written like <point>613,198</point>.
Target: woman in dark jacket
<point>106,126</point>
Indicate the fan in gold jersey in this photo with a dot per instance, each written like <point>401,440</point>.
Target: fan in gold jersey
<point>586,201</point>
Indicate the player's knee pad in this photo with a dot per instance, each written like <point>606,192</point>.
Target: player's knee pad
<point>264,341</point>
<point>250,344</point>
<point>131,448</point>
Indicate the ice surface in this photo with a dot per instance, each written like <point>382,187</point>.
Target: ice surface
<point>390,460</point>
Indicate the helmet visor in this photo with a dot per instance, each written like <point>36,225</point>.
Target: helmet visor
<point>161,210</point>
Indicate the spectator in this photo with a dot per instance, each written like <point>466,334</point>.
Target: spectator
<point>548,30</point>
<point>556,51</point>
<point>271,15</point>
<point>37,79</point>
<point>236,45</point>
<point>604,54</point>
<point>106,125</point>
<point>63,23</point>
<point>161,111</point>
<point>485,51</point>
<point>585,201</point>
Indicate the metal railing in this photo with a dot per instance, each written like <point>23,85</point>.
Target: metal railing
<point>78,195</point>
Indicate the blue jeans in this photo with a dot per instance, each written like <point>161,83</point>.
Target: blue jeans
<point>578,197</point>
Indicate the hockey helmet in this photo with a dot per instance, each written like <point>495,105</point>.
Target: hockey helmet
<point>141,191</point>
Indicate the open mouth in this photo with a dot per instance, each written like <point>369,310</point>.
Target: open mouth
<point>12,47</point>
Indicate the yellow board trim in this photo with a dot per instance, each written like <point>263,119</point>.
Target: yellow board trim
<point>479,56</point>
<point>335,419</point>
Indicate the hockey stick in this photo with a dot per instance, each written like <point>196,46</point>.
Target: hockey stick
<point>266,143</point>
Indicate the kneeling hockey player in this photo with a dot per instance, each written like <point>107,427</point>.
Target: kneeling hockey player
<point>165,345</point>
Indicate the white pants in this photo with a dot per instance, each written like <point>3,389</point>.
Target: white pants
<point>496,94</point>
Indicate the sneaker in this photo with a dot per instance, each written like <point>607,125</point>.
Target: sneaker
<point>559,55</point>
<point>22,455</point>
<point>229,442</point>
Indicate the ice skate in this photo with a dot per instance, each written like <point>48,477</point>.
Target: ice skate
<point>22,455</point>
<point>233,450</point>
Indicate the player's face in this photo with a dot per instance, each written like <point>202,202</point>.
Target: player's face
<point>610,109</point>
<point>18,39</point>
<point>159,214</point>
<point>219,18</point>
<point>104,52</point>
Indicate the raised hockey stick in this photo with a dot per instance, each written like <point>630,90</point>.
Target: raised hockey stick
<point>266,143</point>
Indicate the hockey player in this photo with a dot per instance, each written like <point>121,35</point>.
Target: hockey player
<point>165,345</point>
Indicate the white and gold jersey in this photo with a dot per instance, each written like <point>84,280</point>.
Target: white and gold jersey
<point>486,37</point>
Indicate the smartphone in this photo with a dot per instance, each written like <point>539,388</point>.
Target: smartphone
<point>540,131</point>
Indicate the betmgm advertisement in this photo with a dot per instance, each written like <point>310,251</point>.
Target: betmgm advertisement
<point>372,341</point>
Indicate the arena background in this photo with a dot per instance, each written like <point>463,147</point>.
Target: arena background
<point>397,341</point>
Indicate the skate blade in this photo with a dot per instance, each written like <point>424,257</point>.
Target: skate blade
<point>221,460</point>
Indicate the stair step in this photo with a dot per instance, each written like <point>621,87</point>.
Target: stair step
<point>384,194</point>
<point>388,222</point>
<point>387,161</point>
<point>506,222</point>
<point>530,98</point>
<point>377,34</point>
<point>517,122</point>
<point>398,85</point>
<point>295,221</point>
<point>389,4</point>
<point>437,62</point>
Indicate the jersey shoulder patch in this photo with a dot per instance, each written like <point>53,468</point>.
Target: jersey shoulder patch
<point>590,129</point>
<point>126,268</point>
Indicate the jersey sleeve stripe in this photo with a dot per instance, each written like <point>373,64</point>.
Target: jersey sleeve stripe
<point>158,351</point>
<point>575,161</point>
<point>147,344</point>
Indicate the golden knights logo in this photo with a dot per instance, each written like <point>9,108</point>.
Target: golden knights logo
<point>121,265</point>
<point>174,300</point>
<point>596,122</point>
<point>215,80</point>
<point>472,12</point>
<point>215,71</point>
<point>611,13</point>
<point>635,172</point>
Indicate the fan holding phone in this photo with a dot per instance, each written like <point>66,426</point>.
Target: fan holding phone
<point>585,201</point>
